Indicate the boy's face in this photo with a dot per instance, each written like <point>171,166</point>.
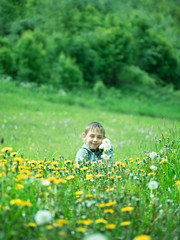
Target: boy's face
<point>93,138</point>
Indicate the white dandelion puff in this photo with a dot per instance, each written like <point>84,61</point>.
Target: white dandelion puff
<point>153,155</point>
<point>45,183</point>
<point>106,145</point>
<point>96,236</point>
<point>153,185</point>
<point>105,157</point>
<point>153,168</point>
<point>43,217</point>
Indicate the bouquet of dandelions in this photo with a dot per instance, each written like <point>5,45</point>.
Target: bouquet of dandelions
<point>105,146</point>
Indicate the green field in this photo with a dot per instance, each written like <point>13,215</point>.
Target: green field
<point>46,134</point>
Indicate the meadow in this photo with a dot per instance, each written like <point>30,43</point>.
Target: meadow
<point>45,195</point>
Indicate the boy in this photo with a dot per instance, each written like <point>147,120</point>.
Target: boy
<point>90,151</point>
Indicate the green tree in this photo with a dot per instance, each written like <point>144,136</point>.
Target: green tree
<point>66,74</point>
<point>7,64</point>
<point>31,59</point>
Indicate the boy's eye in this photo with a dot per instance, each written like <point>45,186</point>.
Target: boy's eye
<point>99,137</point>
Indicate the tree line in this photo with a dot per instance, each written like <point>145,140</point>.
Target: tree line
<point>73,44</point>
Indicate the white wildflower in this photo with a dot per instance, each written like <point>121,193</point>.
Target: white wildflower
<point>45,183</point>
<point>96,236</point>
<point>105,157</point>
<point>106,144</point>
<point>153,185</point>
<point>153,168</point>
<point>153,155</point>
<point>43,217</point>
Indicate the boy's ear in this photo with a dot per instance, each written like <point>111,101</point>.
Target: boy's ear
<point>84,135</point>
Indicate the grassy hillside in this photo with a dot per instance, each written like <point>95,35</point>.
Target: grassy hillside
<point>41,125</point>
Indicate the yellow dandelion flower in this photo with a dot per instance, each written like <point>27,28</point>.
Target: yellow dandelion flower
<point>142,170</point>
<point>6,149</point>
<point>2,174</point>
<point>13,154</point>
<point>163,161</point>
<point>151,174</point>
<point>88,196</point>
<point>18,159</point>
<point>63,221</point>
<point>127,209</point>
<point>84,168</point>
<point>102,205</point>
<point>17,202</point>
<point>56,224</point>
<point>142,237</point>
<point>69,177</point>
<point>54,163</point>
<point>33,162</point>
<point>118,177</point>
<point>61,181</point>
<point>38,175</point>
<point>110,204</point>
<point>61,233</point>
<point>127,223</point>
<point>99,175</point>
<point>89,177</point>
<point>49,227</point>
<point>178,185</point>
<point>80,221</point>
<point>63,168</point>
<point>109,189</point>
<point>101,220</point>
<point>79,200</point>
<point>67,161</point>
<point>19,186</point>
<point>110,226</point>
<point>32,224</point>
<point>52,167</point>
<point>109,211</point>
<point>26,204</point>
<point>78,193</point>
<point>60,223</point>
<point>81,229</point>
<point>27,168</point>
<point>75,165</point>
<point>111,178</point>
<point>87,222</point>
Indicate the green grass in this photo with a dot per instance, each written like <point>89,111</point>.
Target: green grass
<point>45,133</point>
<point>42,125</point>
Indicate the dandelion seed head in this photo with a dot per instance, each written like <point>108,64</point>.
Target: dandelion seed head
<point>153,168</point>
<point>153,155</point>
<point>153,185</point>
<point>43,217</point>
<point>96,236</point>
<point>45,183</point>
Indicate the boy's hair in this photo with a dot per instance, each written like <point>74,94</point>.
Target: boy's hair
<point>94,125</point>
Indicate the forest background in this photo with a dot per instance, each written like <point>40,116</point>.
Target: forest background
<point>123,55</point>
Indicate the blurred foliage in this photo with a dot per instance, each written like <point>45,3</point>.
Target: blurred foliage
<point>66,74</point>
<point>73,44</point>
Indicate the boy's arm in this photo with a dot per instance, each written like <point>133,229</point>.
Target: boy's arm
<point>110,155</point>
<point>80,156</point>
